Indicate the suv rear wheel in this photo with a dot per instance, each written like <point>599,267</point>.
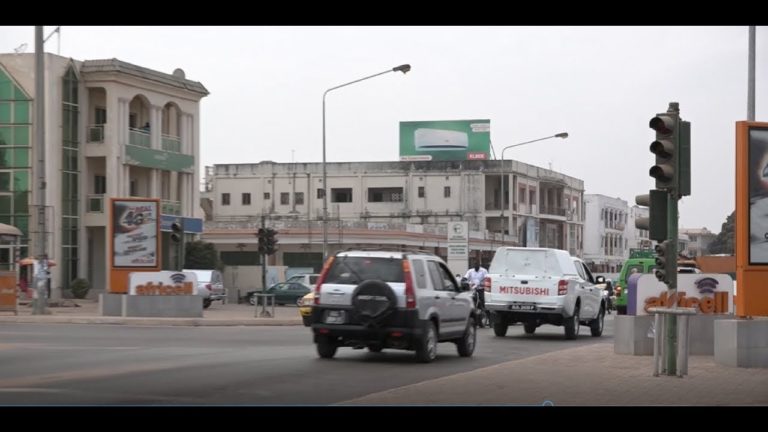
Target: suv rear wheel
<point>326,348</point>
<point>426,347</point>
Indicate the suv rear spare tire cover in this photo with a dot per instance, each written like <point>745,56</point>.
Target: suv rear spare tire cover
<point>373,300</point>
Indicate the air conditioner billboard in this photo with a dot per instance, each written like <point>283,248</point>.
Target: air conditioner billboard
<point>451,140</point>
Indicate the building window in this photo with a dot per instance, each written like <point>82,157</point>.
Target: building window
<point>100,116</point>
<point>266,195</point>
<point>447,191</point>
<point>70,178</point>
<point>298,198</point>
<point>385,194</point>
<point>99,184</point>
<point>133,188</point>
<point>246,198</point>
<point>521,193</point>
<point>225,199</point>
<point>343,195</point>
<point>320,193</point>
<point>285,198</point>
<point>421,191</point>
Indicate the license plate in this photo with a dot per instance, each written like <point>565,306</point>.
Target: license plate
<point>522,307</point>
<point>335,317</point>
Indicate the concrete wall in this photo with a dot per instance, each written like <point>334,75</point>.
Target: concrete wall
<point>742,343</point>
<point>151,306</point>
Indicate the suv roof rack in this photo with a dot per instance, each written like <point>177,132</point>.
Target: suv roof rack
<point>402,250</point>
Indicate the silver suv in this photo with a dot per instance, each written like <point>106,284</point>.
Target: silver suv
<point>400,300</point>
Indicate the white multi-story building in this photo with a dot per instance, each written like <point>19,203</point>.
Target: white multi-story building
<point>699,240</point>
<point>638,238</point>
<point>112,129</point>
<point>397,204</point>
<point>606,245</point>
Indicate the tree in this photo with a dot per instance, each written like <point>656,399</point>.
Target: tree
<point>724,242</point>
<point>201,255</point>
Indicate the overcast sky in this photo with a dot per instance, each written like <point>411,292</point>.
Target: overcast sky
<point>600,84</point>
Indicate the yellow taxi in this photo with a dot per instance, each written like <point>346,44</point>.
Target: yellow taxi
<point>305,307</point>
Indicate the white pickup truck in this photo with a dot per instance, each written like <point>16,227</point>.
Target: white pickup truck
<point>538,286</point>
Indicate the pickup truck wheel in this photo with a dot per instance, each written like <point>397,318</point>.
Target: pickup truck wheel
<point>572,325</point>
<point>207,303</point>
<point>530,328</point>
<point>307,320</point>
<point>596,325</point>
<point>426,348</point>
<point>325,347</point>
<point>500,327</point>
<point>466,344</point>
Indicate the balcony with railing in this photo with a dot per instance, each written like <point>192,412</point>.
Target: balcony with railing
<point>170,207</point>
<point>139,137</point>
<point>171,143</point>
<point>95,203</point>
<point>96,133</point>
<point>552,210</point>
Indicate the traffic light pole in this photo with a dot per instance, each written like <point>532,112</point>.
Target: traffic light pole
<point>263,259</point>
<point>671,323</point>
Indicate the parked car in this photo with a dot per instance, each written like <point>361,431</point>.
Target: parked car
<point>308,279</point>
<point>210,285</point>
<point>391,299</point>
<point>284,292</point>
<point>305,308</point>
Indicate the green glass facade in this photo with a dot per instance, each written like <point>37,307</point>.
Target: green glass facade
<point>70,172</point>
<point>15,159</point>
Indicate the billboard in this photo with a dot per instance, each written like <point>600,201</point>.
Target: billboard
<point>135,229</point>
<point>758,196</point>
<point>454,140</point>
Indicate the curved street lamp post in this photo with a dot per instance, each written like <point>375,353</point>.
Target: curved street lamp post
<point>503,174</point>
<point>402,68</point>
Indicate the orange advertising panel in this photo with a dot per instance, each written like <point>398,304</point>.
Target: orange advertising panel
<point>8,292</point>
<point>134,239</point>
<point>752,218</point>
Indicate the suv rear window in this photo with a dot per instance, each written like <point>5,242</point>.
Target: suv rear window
<point>353,270</point>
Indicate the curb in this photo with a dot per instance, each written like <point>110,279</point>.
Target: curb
<point>189,322</point>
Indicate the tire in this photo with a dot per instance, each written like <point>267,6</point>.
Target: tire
<point>572,325</point>
<point>375,348</point>
<point>325,347</point>
<point>307,320</point>
<point>207,303</point>
<point>530,328</point>
<point>426,346</point>
<point>596,325</point>
<point>252,300</point>
<point>373,300</point>
<point>621,310</point>
<point>500,327</point>
<point>465,345</point>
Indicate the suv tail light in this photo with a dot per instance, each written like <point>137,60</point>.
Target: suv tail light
<point>410,294</point>
<point>321,279</point>
<point>562,287</point>
<point>487,284</point>
<point>208,286</point>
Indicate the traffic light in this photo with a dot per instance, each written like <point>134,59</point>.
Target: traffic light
<point>656,222</point>
<point>271,241</point>
<point>666,261</point>
<point>262,240</point>
<point>666,149</point>
<point>176,232</point>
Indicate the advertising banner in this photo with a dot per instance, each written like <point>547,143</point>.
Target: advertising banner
<point>135,233</point>
<point>162,283</point>
<point>710,293</point>
<point>445,140</point>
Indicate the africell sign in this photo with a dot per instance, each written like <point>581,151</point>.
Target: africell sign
<point>162,283</point>
<point>709,293</point>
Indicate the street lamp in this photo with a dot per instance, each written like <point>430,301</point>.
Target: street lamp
<point>503,174</point>
<point>402,68</point>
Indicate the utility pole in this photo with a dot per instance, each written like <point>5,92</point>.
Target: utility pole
<point>263,256</point>
<point>41,275</point>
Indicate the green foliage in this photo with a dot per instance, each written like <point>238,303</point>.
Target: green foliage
<point>79,288</point>
<point>724,242</point>
<point>201,255</point>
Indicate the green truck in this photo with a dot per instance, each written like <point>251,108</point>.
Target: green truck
<point>640,261</point>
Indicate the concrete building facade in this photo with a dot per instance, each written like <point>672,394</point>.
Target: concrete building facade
<point>112,129</point>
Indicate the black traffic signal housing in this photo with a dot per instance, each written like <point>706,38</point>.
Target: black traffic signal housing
<point>271,241</point>
<point>666,148</point>
<point>666,261</point>
<point>656,222</point>
<point>176,232</point>
<point>262,235</point>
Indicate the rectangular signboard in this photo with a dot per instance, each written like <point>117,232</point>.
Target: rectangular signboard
<point>162,283</point>
<point>710,293</point>
<point>445,140</point>
<point>135,233</point>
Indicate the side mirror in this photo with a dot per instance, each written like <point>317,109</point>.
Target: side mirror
<point>600,280</point>
<point>464,285</point>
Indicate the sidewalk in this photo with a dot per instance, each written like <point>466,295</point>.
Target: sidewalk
<point>217,315</point>
<point>588,375</point>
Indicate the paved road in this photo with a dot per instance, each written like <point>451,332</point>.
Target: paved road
<point>107,365</point>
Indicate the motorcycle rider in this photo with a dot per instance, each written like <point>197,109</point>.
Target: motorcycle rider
<point>475,277</point>
<point>609,295</point>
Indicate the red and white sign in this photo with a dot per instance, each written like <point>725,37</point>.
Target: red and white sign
<point>162,283</point>
<point>710,293</point>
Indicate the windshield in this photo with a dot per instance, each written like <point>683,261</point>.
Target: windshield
<point>353,270</point>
